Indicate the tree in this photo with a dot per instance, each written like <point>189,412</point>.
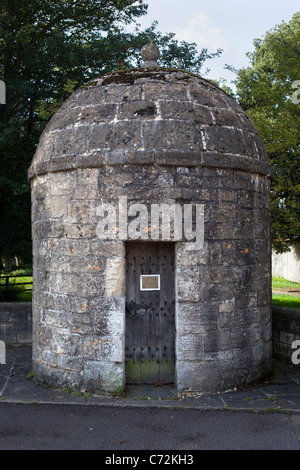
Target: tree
<point>48,49</point>
<point>265,91</point>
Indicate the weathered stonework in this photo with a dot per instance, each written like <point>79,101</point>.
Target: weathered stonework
<point>153,136</point>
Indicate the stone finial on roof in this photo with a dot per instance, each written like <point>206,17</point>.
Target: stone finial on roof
<point>150,54</point>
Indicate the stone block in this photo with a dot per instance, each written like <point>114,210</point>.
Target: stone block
<point>88,177</point>
<point>188,283</point>
<point>106,376</point>
<point>73,141</point>
<point>192,258</point>
<point>80,99</point>
<point>205,95</point>
<point>191,347</point>
<point>86,193</point>
<point>55,318</point>
<point>92,284</point>
<point>107,315</point>
<point>122,93</point>
<point>79,231</point>
<point>293,325</point>
<point>63,342</point>
<point>171,135</point>
<point>198,376</point>
<point>67,363</point>
<point>79,212</point>
<point>45,148</point>
<point>201,317</point>
<point>98,113</point>
<point>48,229</point>
<point>228,117</point>
<point>80,247</point>
<point>185,110</point>
<point>62,119</point>
<point>137,110</point>
<point>115,277</point>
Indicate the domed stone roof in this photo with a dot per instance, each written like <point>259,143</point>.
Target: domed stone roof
<point>150,116</point>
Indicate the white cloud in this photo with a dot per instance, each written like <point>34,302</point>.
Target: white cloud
<point>199,28</point>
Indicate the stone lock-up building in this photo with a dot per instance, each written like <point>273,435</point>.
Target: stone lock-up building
<point>151,237</point>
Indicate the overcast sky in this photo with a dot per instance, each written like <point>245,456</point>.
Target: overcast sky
<point>231,25</point>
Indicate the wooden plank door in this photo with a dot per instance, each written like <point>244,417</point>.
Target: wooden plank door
<point>150,314</point>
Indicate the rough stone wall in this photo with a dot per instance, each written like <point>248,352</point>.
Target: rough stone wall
<point>154,138</point>
<point>286,330</point>
<point>223,300</point>
<point>16,323</point>
<point>78,310</point>
<point>223,290</point>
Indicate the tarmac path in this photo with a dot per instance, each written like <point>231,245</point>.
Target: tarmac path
<point>32,417</point>
<point>75,427</point>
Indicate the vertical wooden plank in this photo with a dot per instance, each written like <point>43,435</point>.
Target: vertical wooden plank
<point>167,312</point>
<point>132,340</point>
<point>149,364</point>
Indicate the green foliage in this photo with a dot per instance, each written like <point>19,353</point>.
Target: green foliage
<point>284,299</point>
<point>181,55</point>
<point>264,91</point>
<point>18,290</point>
<point>47,49</point>
<point>222,83</point>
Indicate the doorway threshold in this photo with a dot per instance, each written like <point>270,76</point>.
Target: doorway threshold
<point>151,392</point>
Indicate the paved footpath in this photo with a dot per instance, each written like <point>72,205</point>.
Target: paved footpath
<point>34,417</point>
<point>282,393</point>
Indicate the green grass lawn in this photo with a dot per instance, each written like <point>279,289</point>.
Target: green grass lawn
<point>16,293</point>
<point>281,283</point>
<point>284,300</point>
<point>290,301</point>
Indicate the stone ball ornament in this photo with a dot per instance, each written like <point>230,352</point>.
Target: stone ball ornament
<point>150,54</point>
